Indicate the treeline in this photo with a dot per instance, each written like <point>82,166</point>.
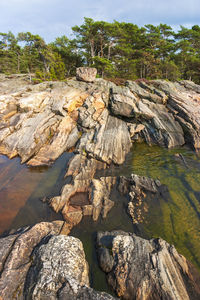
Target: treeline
<point>117,50</point>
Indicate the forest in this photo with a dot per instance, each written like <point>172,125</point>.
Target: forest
<point>118,50</point>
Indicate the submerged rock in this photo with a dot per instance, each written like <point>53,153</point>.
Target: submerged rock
<point>146,269</point>
<point>97,192</point>
<point>137,188</point>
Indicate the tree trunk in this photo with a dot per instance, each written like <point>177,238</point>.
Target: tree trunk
<point>18,63</point>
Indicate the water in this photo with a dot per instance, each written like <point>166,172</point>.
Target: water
<point>22,188</point>
<point>175,218</point>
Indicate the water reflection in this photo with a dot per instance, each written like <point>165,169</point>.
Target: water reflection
<point>21,189</point>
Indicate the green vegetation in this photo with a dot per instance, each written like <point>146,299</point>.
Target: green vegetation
<point>118,50</point>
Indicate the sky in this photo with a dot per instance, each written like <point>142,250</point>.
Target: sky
<point>53,18</point>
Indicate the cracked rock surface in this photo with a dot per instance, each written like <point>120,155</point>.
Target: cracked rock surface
<point>146,269</point>
<point>41,262</point>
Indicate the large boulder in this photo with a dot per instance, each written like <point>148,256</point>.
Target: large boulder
<point>41,263</point>
<point>86,74</point>
<point>146,269</point>
<point>15,256</point>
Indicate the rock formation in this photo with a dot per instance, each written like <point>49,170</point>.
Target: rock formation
<point>40,262</point>
<point>146,269</point>
<point>137,188</point>
<point>99,122</point>
<point>86,74</point>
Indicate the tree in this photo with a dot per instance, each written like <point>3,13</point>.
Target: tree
<point>69,53</point>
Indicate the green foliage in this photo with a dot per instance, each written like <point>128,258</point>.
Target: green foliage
<point>117,50</point>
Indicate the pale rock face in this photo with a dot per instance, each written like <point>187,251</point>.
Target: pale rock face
<point>15,256</point>
<point>145,269</point>
<point>86,74</point>
<point>98,121</point>
<point>59,261</point>
<point>41,263</point>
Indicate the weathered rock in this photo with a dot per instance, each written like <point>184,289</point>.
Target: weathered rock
<point>60,261</point>
<point>147,91</point>
<point>98,121</point>
<point>97,192</point>
<point>39,122</point>
<point>86,74</point>
<point>123,102</point>
<point>15,256</point>
<point>146,269</point>
<point>160,126</point>
<point>109,142</point>
<point>137,188</point>
<point>38,263</point>
<point>183,102</point>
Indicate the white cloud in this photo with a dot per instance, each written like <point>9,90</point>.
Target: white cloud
<point>51,18</point>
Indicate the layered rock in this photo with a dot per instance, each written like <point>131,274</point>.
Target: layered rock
<point>146,269</point>
<point>40,263</point>
<point>15,256</point>
<point>137,188</point>
<point>183,102</point>
<point>99,122</point>
<point>40,122</point>
<point>96,192</point>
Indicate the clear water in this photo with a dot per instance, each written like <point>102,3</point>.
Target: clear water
<point>22,188</point>
<point>176,218</point>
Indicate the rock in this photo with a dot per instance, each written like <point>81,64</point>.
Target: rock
<point>98,121</point>
<point>160,127</point>
<point>147,91</point>
<point>146,269</point>
<point>72,214</point>
<point>39,263</point>
<point>15,256</point>
<point>183,102</point>
<point>60,261</point>
<point>109,142</point>
<point>82,293</point>
<point>86,74</point>
<point>137,188</point>
<point>98,192</point>
<point>123,102</point>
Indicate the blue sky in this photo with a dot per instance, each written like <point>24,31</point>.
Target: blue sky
<point>53,18</point>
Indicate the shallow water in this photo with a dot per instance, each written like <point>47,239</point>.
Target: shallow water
<point>175,217</point>
<point>22,188</point>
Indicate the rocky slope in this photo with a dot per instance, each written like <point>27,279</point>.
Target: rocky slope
<point>99,122</point>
